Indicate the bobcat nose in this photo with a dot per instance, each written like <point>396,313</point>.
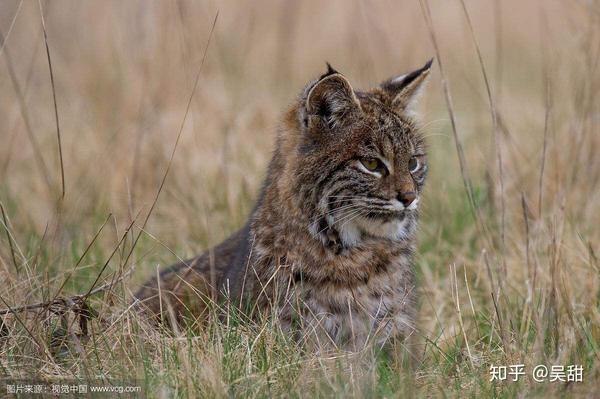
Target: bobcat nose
<point>407,198</point>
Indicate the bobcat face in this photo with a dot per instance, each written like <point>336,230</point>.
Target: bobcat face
<point>383,180</point>
<point>363,162</point>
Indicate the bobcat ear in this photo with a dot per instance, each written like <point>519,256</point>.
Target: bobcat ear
<point>405,90</point>
<point>331,97</point>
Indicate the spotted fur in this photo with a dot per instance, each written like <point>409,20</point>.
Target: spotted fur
<point>329,246</point>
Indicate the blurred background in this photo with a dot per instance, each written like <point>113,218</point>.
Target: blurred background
<point>123,74</point>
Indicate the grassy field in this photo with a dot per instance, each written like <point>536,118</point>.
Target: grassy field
<point>508,264</point>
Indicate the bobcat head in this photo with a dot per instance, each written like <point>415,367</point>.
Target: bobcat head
<point>359,160</point>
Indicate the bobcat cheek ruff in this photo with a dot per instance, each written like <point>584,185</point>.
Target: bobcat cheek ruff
<point>332,237</point>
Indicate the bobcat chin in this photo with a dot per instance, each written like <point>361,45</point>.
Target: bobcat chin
<point>329,246</point>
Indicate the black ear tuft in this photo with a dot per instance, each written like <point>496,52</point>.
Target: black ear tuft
<point>429,63</point>
<point>400,82</point>
<point>330,71</point>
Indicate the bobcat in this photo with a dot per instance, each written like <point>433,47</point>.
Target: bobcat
<point>328,248</point>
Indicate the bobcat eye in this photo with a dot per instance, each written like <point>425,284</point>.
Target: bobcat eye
<point>372,164</point>
<point>413,165</point>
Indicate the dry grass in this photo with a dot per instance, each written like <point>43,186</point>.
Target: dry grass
<point>508,268</point>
